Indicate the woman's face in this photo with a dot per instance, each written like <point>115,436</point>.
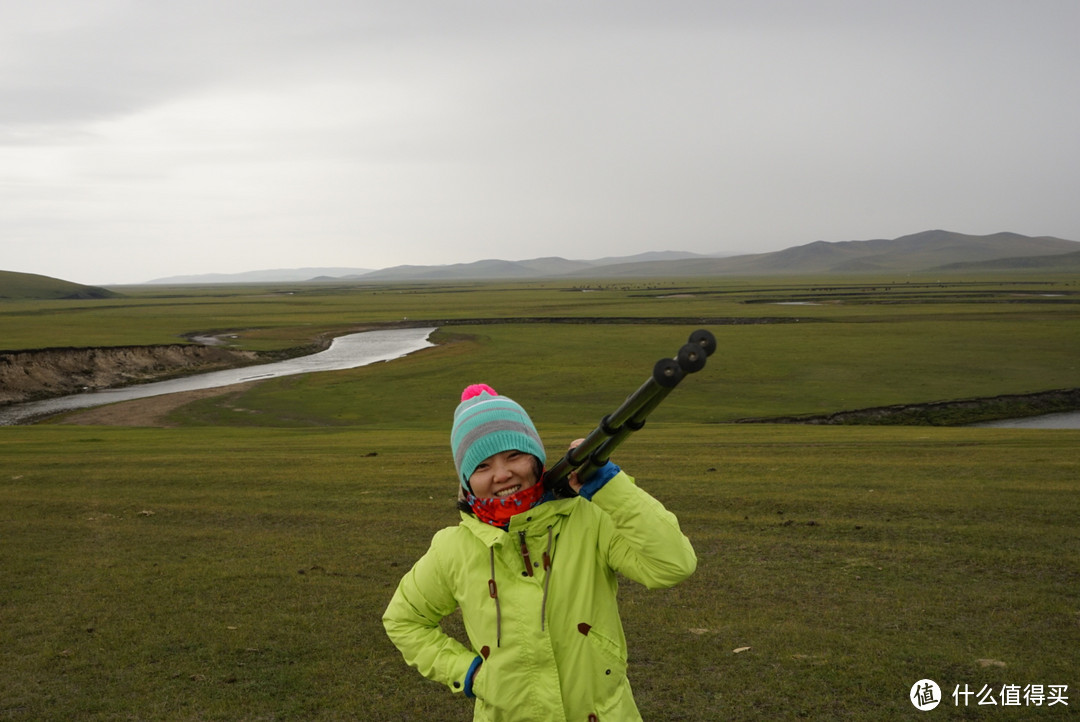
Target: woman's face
<point>505,473</point>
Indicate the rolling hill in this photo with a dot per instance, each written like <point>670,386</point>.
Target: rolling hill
<point>927,252</point>
<point>25,286</point>
<point>274,275</point>
<point>549,267</point>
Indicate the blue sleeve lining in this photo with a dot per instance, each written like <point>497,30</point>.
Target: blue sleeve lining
<point>597,480</point>
<point>469,676</point>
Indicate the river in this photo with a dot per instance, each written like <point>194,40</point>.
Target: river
<point>1064,420</point>
<point>345,352</point>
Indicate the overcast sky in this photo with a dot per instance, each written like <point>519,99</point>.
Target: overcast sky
<point>148,138</point>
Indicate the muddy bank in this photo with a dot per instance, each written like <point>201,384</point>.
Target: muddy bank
<point>958,412</point>
<point>48,373</point>
<point>149,412</point>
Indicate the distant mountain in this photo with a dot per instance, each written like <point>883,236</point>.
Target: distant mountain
<point>480,269</point>
<point>929,251</point>
<point>491,268</point>
<point>275,275</point>
<point>651,256</point>
<point>29,286</point>
<point>548,267</point>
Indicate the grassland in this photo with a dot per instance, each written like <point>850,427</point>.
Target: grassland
<point>283,316</point>
<point>239,574</point>
<point>235,568</point>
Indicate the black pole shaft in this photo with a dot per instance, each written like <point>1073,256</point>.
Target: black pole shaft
<point>595,450</point>
<point>648,396</point>
<point>634,423</point>
<point>602,454</point>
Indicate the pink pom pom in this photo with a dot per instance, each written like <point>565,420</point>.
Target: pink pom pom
<point>477,389</point>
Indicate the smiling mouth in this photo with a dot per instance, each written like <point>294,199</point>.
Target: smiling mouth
<point>508,491</point>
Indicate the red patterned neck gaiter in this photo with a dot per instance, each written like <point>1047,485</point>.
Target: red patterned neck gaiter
<point>498,510</point>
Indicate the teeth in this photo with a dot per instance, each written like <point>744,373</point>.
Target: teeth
<point>508,492</point>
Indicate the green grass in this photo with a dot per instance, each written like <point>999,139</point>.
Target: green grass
<point>284,316</point>
<point>230,574</point>
<point>574,372</point>
<point>15,285</point>
<point>236,568</point>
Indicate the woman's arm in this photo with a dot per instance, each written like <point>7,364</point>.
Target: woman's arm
<point>645,542</point>
<point>411,620</point>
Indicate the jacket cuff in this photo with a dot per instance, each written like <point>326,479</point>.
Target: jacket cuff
<point>469,676</point>
<point>597,480</point>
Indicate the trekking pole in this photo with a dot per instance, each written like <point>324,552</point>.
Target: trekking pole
<point>613,429</point>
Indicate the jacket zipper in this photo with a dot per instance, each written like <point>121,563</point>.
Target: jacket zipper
<point>547,579</point>
<point>493,590</point>
<point>525,554</point>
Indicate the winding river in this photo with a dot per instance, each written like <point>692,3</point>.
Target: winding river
<point>1063,420</point>
<point>345,352</point>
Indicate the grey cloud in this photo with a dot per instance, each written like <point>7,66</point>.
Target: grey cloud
<point>391,127</point>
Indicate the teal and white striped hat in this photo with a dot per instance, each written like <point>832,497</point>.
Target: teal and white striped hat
<point>486,424</point>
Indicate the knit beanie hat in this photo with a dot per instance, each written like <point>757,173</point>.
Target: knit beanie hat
<point>486,424</point>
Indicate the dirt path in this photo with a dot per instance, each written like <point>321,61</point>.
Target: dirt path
<point>152,411</point>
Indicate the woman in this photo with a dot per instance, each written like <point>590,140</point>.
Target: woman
<point>534,576</point>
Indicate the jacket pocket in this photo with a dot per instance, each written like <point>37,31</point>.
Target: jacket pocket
<point>479,688</point>
<point>608,668</point>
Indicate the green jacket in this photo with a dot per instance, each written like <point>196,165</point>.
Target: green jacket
<point>549,633</point>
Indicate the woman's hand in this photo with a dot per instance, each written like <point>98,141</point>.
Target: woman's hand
<point>572,479</point>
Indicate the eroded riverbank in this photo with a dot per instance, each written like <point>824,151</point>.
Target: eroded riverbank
<point>50,373</point>
<point>959,412</point>
<point>344,352</point>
